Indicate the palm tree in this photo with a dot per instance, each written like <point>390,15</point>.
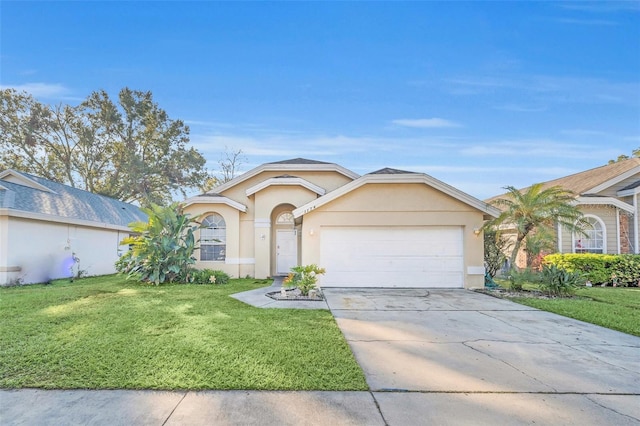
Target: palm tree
<point>535,209</point>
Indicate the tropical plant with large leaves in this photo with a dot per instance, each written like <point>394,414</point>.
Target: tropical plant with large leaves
<point>535,209</point>
<point>162,248</point>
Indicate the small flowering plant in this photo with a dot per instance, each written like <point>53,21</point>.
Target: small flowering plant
<point>304,277</point>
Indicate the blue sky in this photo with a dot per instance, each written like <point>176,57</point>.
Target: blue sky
<point>478,94</point>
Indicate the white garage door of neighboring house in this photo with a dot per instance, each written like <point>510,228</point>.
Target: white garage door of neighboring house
<point>430,256</point>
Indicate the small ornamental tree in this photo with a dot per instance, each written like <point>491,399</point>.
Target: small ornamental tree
<point>162,249</point>
<point>304,277</point>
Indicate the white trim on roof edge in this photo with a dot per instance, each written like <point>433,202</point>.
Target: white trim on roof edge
<point>398,178</point>
<point>61,219</point>
<point>25,181</point>
<point>203,199</point>
<point>324,167</point>
<point>605,201</point>
<point>629,192</point>
<point>613,181</point>
<point>285,181</point>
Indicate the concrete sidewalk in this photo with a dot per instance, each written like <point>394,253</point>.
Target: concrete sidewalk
<point>156,408</point>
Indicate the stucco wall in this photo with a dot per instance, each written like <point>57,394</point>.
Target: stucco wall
<point>404,205</point>
<point>44,250</point>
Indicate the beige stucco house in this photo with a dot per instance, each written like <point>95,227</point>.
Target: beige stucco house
<point>49,230</point>
<point>389,228</point>
<point>608,198</point>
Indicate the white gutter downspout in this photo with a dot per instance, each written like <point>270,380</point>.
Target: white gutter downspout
<point>635,223</point>
<point>618,228</point>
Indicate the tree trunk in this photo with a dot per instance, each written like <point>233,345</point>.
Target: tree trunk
<point>514,253</point>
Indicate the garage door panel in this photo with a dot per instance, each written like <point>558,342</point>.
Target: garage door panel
<point>392,257</point>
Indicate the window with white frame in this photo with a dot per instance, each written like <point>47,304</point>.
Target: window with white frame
<point>591,240</point>
<point>213,238</point>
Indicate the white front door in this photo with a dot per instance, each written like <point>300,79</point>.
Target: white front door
<point>286,250</point>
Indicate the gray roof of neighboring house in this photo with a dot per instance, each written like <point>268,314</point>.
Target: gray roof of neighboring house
<point>67,202</point>
<point>390,171</point>
<point>299,161</point>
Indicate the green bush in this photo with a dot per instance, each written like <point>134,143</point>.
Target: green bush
<point>626,270</point>
<point>618,269</point>
<point>555,281</point>
<point>597,268</point>
<point>518,278</point>
<point>208,276</point>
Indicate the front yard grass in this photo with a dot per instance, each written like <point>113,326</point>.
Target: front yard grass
<point>109,333</point>
<point>617,308</point>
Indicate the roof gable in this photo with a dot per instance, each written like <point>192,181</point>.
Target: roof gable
<point>23,179</point>
<point>286,166</point>
<point>285,180</point>
<point>36,195</point>
<point>398,178</point>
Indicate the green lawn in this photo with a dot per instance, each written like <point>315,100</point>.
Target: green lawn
<point>617,308</point>
<point>105,332</point>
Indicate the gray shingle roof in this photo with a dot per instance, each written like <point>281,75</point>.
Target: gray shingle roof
<point>67,202</point>
<point>390,171</point>
<point>299,161</point>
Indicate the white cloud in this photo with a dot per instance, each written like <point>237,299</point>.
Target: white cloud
<point>425,123</point>
<point>285,145</point>
<point>537,148</point>
<point>597,22</point>
<point>40,90</point>
<point>543,89</point>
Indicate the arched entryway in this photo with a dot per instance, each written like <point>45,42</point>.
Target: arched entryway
<point>285,240</point>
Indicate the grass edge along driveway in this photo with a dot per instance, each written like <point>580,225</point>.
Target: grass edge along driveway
<point>109,333</point>
<point>617,308</point>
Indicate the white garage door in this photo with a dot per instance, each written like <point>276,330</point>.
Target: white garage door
<point>429,256</point>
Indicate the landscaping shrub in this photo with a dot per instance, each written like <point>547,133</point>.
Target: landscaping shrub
<point>617,269</point>
<point>162,248</point>
<point>597,268</point>
<point>626,270</point>
<point>518,278</point>
<point>304,277</point>
<point>555,281</point>
<point>208,276</point>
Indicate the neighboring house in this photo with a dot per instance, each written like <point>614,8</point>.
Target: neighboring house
<point>608,198</point>
<point>49,230</point>
<point>389,228</point>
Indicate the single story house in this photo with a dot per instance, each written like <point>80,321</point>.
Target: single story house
<point>608,198</point>
<point>49,230</point>
<point>389,228</point>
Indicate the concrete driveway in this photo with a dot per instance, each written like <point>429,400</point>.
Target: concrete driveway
<point>459,357</point>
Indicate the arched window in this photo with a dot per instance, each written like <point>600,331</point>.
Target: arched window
<point>285,218</point>
<point>593,238</point>
<point>213,238</point>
